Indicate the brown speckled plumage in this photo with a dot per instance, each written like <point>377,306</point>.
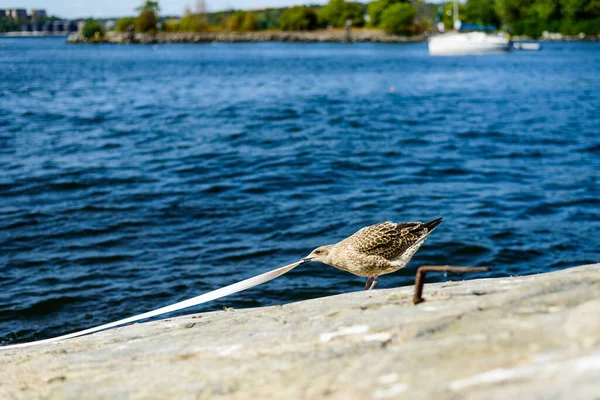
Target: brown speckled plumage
<point>377,249</point>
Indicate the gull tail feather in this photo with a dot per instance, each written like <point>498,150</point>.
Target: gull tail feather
<point>432,224</point>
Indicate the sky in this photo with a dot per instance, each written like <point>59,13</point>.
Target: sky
<point>116,8</point>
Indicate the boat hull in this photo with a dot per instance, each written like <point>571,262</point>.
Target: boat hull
<point>467,43</point>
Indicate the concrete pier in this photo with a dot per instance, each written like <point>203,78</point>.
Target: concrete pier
<point>533,337</point>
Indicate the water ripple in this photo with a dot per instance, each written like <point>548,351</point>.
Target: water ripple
<point>159,175</point>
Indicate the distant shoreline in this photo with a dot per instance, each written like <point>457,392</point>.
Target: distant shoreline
<point>33,34</point>
<point>336,36</point>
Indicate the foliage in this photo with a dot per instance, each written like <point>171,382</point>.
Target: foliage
<point>190,22</point>
<point>235,21</point>
<point>9,25</point>
<point>268,18</point>
<point>149,5</point>
<point>337,12</point>
<point>146,21</point>
<point>593,9</point>
<point>535,27</point>
<point>298,18</point>
<point>544,10</point>
<point>398,18</point>
<point>520,17</point>
<point>573,9</point>
<point>265,19</point>
<point>374,11</point>
<point>91,29</point>
<point>480,12</point>
<point>171,25</point>
<point>241,21</point>
<point>425,13</point>
<point>532,17</point>
<point>249,23</point>
<point>217,19</point>
<point>422,18</point>
<point>376,8</point>
<point>123,24</point>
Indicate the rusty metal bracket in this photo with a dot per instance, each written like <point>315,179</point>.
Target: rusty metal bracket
<point>422,271</point>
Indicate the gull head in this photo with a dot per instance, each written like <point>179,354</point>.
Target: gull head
<point>320,254</point>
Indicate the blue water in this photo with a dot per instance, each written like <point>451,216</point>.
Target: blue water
<point>137,176</point>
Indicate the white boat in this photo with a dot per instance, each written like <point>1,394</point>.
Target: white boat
<point>456,43</point>
<point>527,46</point>
<point>460,43</point>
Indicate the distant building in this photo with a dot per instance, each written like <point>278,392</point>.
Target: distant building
<point>58,26</point>
<point>51,27</point>
<point>71,26</point>
<point>37,14</point>
<point>38,22</point>
<point>17,13</point>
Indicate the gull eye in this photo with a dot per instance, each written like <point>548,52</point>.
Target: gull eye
<point>317,251</point>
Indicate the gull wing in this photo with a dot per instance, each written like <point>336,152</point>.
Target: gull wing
<point>387,239</point>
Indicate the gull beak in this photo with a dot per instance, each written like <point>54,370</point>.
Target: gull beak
<point>305,260</point>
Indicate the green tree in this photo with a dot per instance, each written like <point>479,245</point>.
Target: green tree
<point>593,9</point>
<point>337,12</point>
<point>481,12</point>
<point>398,18</point>
<point>249,23</point>
<point>376,8</point>
<point>172,25</point>
<point>123,24</point>
<point>356,13</point>
<point>146,21</point>
<point>269,18</point>
<point>8,24</point>
<point>545,10</point>
<point>191,22</point>
<point>235,21</point>
<point>91,29</point>
<point>512,10</point>
<point>299,18</point>
<point>572,9</point>
<point>149,5</point>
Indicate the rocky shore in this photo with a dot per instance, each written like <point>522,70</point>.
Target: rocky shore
<point>336,36</point>
<point>232,37</point>
<point>534,337</point>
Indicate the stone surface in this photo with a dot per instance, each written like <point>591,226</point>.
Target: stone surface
<point>535,337</point>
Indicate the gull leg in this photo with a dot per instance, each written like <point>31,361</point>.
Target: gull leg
<point>367,284</point>
<point>374,282</point>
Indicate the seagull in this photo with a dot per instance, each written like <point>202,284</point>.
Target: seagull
<point>375,250</point>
